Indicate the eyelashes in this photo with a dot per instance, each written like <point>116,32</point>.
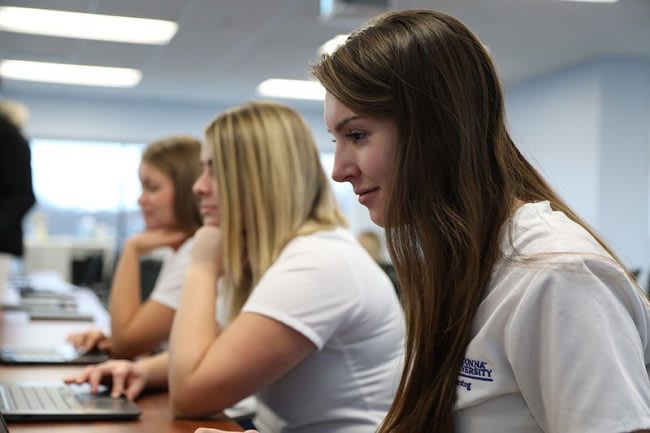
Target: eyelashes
<point>354,136</point>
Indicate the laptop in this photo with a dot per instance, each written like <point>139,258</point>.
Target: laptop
<point>3,425</point>
<point>55,355</point>
<point>58,313</point>
<point>34,401</point>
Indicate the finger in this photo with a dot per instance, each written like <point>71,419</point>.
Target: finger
<point>70,379</point>
<point>92,340</point>
<point>94,379</point>
<point>83,342</point>
<point>105,345</point>
<point>119,377</point>
<point>134,388</point>
<point>79,378</point>
<point>76,340</point>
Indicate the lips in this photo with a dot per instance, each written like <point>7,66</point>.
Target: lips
<point>366,194</point>
<point>207,210</point>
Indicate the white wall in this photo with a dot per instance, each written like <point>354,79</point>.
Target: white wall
<point>587,129</point>
<point>56,116</point>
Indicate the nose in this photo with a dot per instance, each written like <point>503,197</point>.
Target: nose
<point>345,165</point>
<point>201,184</point>
<point>141,199</point>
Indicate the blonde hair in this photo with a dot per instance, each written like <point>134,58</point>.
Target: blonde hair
<point>15,111</point>
<point>178,156</point>
<point>271,187</point>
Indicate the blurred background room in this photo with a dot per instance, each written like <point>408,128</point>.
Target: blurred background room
<point>576,75</point>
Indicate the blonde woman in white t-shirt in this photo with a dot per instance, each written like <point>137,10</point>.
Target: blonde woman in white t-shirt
<point>316,329</point>
<point>167,172</point>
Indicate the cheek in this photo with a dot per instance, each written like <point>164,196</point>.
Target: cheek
<point>379,166</point>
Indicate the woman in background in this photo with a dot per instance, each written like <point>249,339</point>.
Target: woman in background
<point>167,172</point>
<point>316,330</point>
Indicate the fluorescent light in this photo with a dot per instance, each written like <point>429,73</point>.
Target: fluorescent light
<point>591,1</point>
<point>86,26</point>
<point>329,46</point>
<point>69,74</point>
<point>292,89</point>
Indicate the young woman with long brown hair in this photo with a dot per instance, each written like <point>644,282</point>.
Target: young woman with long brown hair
<point>519,317</point>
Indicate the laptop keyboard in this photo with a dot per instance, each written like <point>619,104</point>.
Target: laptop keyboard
<point>40,398</point>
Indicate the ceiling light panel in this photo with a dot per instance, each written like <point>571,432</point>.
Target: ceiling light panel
<point>86,26</point>
<point>591,1</point>
<point>62,73</point>
<point>292,89</point>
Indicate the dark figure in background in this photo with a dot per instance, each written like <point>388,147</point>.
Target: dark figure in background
<point>16,193</point>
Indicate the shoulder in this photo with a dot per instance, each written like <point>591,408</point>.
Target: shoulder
<point>582,289</point>
<point>551,260</point>
<point>327,264</point>
<point>537,230</point>
<point>322,250</point>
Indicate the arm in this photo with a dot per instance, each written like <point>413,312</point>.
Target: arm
<point>138,327</point>
<point>228,365</point>
<point>575,348</point>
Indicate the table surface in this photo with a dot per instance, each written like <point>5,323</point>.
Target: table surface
<point>16,328</point>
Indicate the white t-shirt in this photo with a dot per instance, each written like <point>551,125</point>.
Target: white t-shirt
<point>560,342</point>
<point>169,284</point>
<point>326,287</point>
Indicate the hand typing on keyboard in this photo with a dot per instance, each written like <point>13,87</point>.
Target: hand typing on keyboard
<point>128,378</point>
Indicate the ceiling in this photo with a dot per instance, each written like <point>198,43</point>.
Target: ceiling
<point>224,48</point>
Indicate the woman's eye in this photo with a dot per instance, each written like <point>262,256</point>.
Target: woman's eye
<point>356,135</point>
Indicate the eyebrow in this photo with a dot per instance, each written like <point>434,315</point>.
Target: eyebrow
<point>345,121</point>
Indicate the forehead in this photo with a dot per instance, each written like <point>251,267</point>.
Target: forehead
<point>206,151</point>
<point>335,111</point>
<point>150,171</point>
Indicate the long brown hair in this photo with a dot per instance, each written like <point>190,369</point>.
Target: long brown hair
<point>272,188</point>
<point>457,177</point>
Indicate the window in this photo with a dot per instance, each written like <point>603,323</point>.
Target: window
<point>85,189</point>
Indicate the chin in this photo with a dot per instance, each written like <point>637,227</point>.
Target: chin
<point>377,217</point>
<point>148,225</point>
<point>211,222</point>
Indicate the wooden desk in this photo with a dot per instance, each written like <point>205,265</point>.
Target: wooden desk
<point>15,328</point>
